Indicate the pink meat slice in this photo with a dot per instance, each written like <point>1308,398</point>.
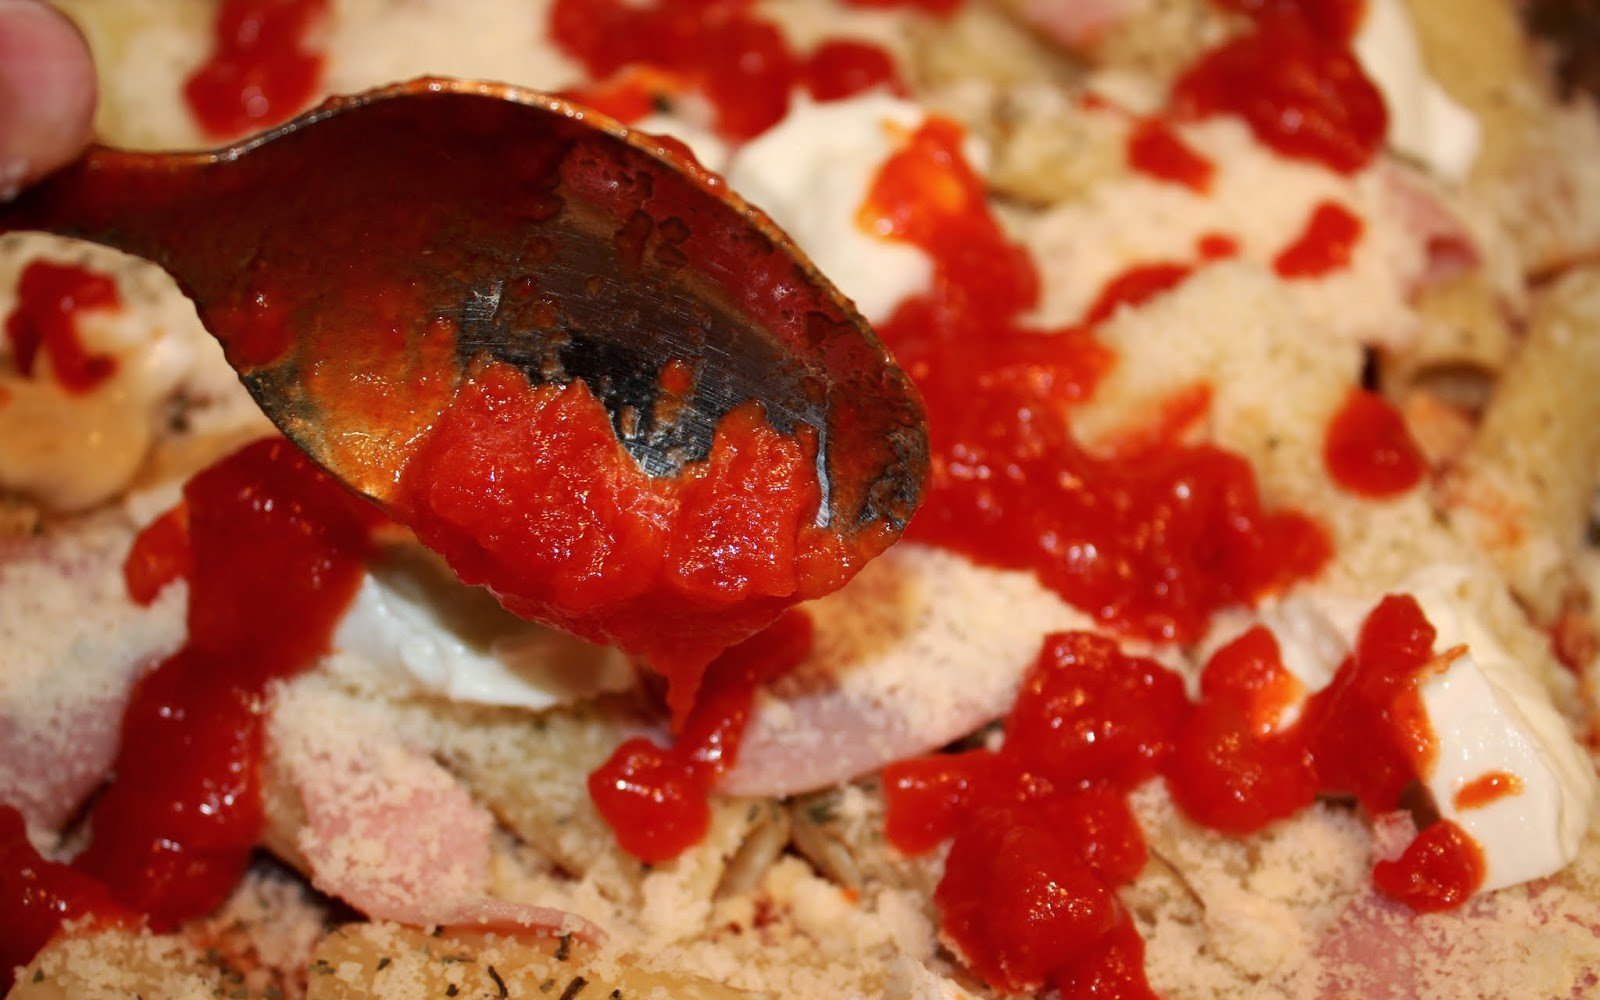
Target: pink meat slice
<point>393,834</point>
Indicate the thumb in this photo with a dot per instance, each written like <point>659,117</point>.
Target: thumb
<point>47,92</point>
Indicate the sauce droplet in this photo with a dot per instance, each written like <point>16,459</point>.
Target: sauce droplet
<point>655,798</point>
<point>50,299</point>
<point>1369,451</point>
<point>1298,86</point>
<point>1155,149</point>
<point>1487,789</point>
<point>261,70</point>
<point>1324,246</point>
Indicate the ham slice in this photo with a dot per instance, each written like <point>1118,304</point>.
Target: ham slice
<point>392,833</point>
<point>1448,245</point>
<point>73,645</point>
<point>1076,24</point>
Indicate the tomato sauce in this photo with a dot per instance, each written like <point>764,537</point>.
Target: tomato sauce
<point>1091,723</point>
<point>654,798</point>
<point>1042,834</point>
<point>1369,451</point>
<point>274,553</point>
<point>1440,870</point>
<point>159,556</point>
<point>735,59</point>
<point>528,491</point>
<point>50,298</point>
<point>1293,78</point>
<point>840,68</point>
<point>1134,287</point>
<point>38,896</point>
<point>1152,544</point>
<point>1155,149</point>
<point>1487,789</point>
<point>1324,246</point>
<point>263,67</point>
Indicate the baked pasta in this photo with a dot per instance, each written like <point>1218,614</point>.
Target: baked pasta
<point>1244,644</point>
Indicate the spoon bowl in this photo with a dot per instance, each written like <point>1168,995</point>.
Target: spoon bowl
<point>361,261</point>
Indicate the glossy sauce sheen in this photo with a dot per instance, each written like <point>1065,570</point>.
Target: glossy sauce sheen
<point>274,553</point>
<point>262,68</point>
<point>527,491</point>
<point>654,798</point>
<point>1151,543</point>
<point>1049,808</point>
<point>49,298</point>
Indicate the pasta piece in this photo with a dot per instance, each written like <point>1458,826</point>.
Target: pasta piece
<point>398,963</point>
<point>841,832</point>
<point>532,774</point>
<point>978,43</point>
<point>1523,489</point>
<point>1529,170</point>
<point>116,963</point>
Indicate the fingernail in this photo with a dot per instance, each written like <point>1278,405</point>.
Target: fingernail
<point>47,92</point>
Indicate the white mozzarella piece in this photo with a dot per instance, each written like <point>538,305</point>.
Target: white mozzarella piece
<point>436,635</point>
<point>1425,122</point>
<point>1493,724</point>
<point>1488,717</point>
<point>73,450</point>
<point>1309,645</point>
<point>1481,732</point>
<point>811,173</point>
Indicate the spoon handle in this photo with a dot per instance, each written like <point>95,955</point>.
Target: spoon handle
<point>133,202</point>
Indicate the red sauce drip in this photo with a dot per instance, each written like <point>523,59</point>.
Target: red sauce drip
<point>1487,789</point>
<point>1295,82</point>
<point>655,798</point>
<point>1153,546</point>
<point>49,298</point>
<point>261,70</point>
<point>1364,725</point>
<point>1155,149</point>
<point>1042,830</point>
<point>528,491</point>
<point>38,896</point>
<point>159,556</point>
<point>274,554</point>
<point>1440,870</point>
<point>1365,734</point>
<point>740,63</point>
<point>840,68</point>
<point>1217,246</point>
<point>1134,287</point>
<point>1232,771</point>
<point>1369,450</point>
<point>1324,246</point>
<point>276,550</point>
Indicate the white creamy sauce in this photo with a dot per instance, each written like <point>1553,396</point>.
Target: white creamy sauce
<point>1425,122</point>
<point>812,171</point>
